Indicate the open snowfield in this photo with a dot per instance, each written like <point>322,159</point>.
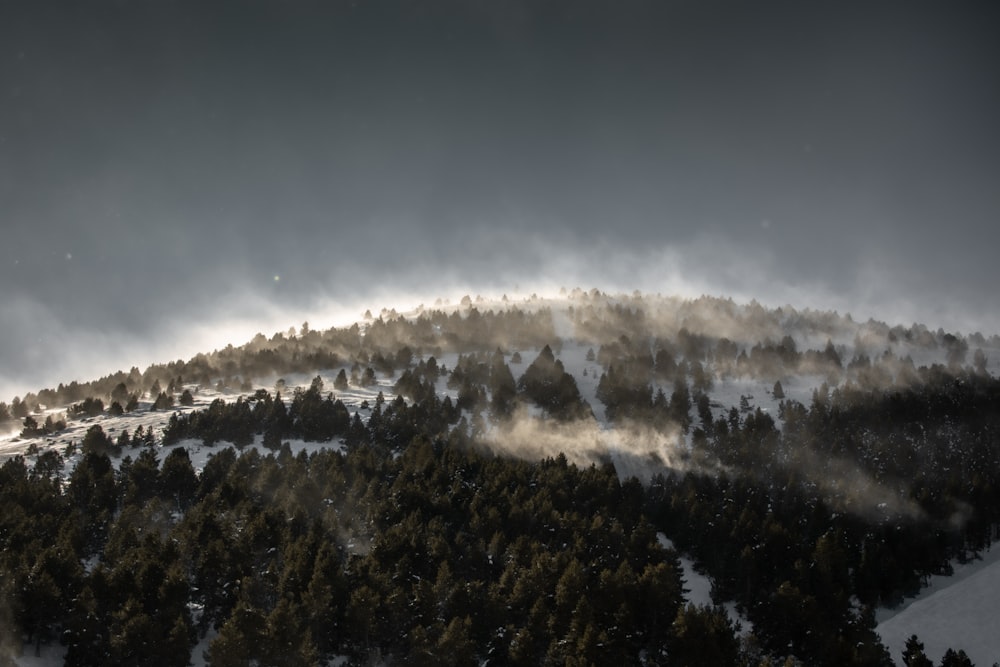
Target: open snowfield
<point>959,612</point>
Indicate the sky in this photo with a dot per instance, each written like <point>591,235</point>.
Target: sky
<point>178,174</point>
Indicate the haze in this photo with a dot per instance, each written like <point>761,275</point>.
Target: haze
<point>178,175</point>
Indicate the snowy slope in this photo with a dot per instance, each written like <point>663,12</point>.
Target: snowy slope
<point>11,443</point>
<point>954,612</point>
<point>959,612</point>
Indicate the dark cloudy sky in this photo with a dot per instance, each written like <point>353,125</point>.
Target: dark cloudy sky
<point>161,162</point>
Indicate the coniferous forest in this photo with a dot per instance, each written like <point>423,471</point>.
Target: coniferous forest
<point>424,529</point>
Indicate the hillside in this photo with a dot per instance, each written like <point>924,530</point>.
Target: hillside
<point>955,610</point>
<point>796,468</point>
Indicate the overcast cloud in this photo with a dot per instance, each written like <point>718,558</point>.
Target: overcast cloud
<point>162,162</point>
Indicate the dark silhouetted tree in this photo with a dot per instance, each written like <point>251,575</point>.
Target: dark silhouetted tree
<point>913,654</point>
<point>954,658</point>
<point>340,382</point>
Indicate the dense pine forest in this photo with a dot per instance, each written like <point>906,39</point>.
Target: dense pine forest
<point>427,528</point>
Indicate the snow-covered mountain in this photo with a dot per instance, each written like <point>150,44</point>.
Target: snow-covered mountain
<point>741,362</point>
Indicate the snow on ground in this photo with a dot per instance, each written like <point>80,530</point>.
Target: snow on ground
<point>54,655</point>
<point>199,650</point>
<point>11,443</point>
<point>448,361</point>
<point>76,429</point>
<point>698,587</point>
<point>726,393</point>
<point>199,453</point>
<point>958,612</point>
<point>573,356</point>
<point>50,655</point>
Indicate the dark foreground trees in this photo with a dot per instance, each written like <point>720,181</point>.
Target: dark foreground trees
<point>439,554</point>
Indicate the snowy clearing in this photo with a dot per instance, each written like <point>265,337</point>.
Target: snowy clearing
<point>958,612</point>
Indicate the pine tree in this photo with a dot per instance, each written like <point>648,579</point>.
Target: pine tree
<point>19,409</point>
<point>455,646</point>
<point>503,388</point>
<point>30,429</point>
<point>240,639</point>
<point>120,393</point>
<point>703,636</point>
<point>956,659</point>
<point>547,384</point>
<point>96,441</point>
<point>913,654</point>
<point>340,382</point>
<point>178,481</point>
<point>86,636</point>
<point>287,643</point>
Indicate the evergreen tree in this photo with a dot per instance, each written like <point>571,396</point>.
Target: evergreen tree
<point>18,408</point>
<point>455,645</point>
<point>340,382</point>
<point>703,636</point>
<point>503,388</point>
<point>240,640</point>
<point>120,393</point>
<point>178,481</point>
<point>778,392</point>
<point>86,634</point>
<point>547,384</point>
<point>913,655</point>
<point>30,428</point>
<point>956,659</point>
<point>96,441</point>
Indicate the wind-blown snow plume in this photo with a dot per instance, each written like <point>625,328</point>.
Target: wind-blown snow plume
<point>635,450</point>
<point>849,488</point>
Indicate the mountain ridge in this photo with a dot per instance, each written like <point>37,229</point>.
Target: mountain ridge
<point>806,435</point>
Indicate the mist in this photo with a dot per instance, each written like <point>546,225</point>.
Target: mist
<point>636,450</point>
<point>176,177</point>
<point>46,343</point>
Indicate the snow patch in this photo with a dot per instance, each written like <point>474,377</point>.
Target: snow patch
<point>698,588</point>
<point>957,612</point>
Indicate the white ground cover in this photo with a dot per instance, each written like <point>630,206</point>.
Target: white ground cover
<point>961,611</point>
